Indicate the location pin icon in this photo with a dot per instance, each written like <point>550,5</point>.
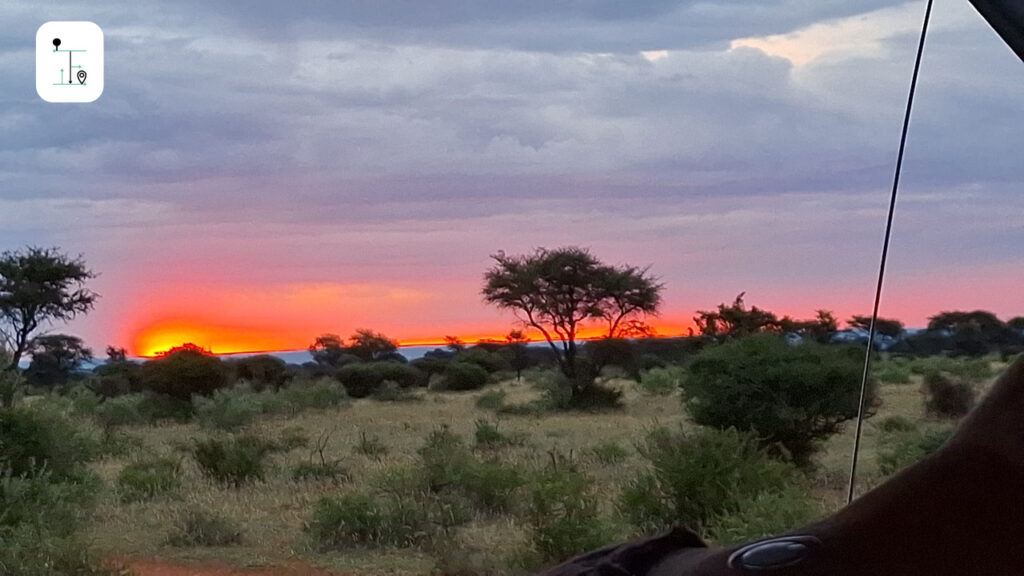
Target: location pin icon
<point>81,76</point>
<point>56,44</point>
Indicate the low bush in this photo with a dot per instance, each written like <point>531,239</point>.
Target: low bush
<point>125,410</point>
<point>792,397</point>
<point>201,528</point>
<point>492,400</point>
<point>763,514</point>
<point>362,379</point>
<point>609,452</point>
<point>233,461</point>
<point>896,424</point>
<point>320,393</point>
<point>901,449</point>
<point>488,435</point>
<point>564,515</point>
<point>390,391</point>
<point>148,478</point>
<point>361,520</point>
<point>946,396</point>
<point>459,376</point>
<point>660,381</point>
<point>692,477</point>
<point>35,439</point>
<point>227,409</point>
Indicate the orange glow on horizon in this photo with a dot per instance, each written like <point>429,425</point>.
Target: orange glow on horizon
<point>157,338</point>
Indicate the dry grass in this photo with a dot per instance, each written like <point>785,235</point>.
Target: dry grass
<point>272,513</point>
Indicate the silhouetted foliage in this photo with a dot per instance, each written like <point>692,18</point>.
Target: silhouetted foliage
<point>39,286</point>
<point>884,326</point>
<point>54,358</point>
<point>735,320</point>
<point>791,396</point>
<point>117,376</point>
<point>327,350</point>
<point>183,374</point>
<point>461,376</point>
<point>262,372</point>
<point>820,329</point>
<point>363,379</point>
<point>972,333</point>
<point>371,346</point>
<point>557,291</point>
<point>946,396</point>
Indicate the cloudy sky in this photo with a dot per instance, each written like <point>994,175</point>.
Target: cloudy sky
<point>257,173</point>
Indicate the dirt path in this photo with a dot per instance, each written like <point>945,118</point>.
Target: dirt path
<point>155,568</point>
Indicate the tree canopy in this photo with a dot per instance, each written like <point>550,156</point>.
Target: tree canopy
<point>54,358</point>
<point>884,326</point>
<point>735,320</point>
<point>559,291</point>
<point>39,286</point>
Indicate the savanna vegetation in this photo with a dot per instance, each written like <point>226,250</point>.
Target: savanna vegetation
<point>486,458</point>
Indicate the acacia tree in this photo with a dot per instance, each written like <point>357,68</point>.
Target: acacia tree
<point>54,358</point>
<point>38,287</point>
<point>885,326</point>
<point>736,320</point>
<point>558,291</point>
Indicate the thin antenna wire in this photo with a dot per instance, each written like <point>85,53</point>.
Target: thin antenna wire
<point>885,253</point>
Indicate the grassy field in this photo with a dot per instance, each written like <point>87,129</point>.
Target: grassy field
<point>269,515</point>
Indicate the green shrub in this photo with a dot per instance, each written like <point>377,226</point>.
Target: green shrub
<point>660,381</point>
<point>35,439</point>
<point>389,391</point>
<point>84,401</point>
<point>226,409</point>
<point>448,467</point>
<point>763,514</point>
<point>946,396</point>
<point>693,477</point>
<point>487,435</point>
<point>362,379</point>
<point>262,372</point>
<point>459,376</point>
<point>491,362</point>
<point>201,528</point>
<point>320,393</point>
<point>362,520</point>
<point>233,461</point>
<point>558,391</point>
<point>792,397</point>
<point>973,369</point>
<point>492,400</point>
<point>901,449</point>
<point>148,478</point>
<point>896,424</point>
<point>126,410</point>
<point>609,452</point>
<point>564,515</point>
<point>38,501</point>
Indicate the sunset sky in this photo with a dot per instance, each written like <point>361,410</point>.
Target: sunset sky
<point>258,173</point>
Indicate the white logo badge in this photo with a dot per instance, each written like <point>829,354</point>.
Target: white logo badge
<point>69,61</point>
